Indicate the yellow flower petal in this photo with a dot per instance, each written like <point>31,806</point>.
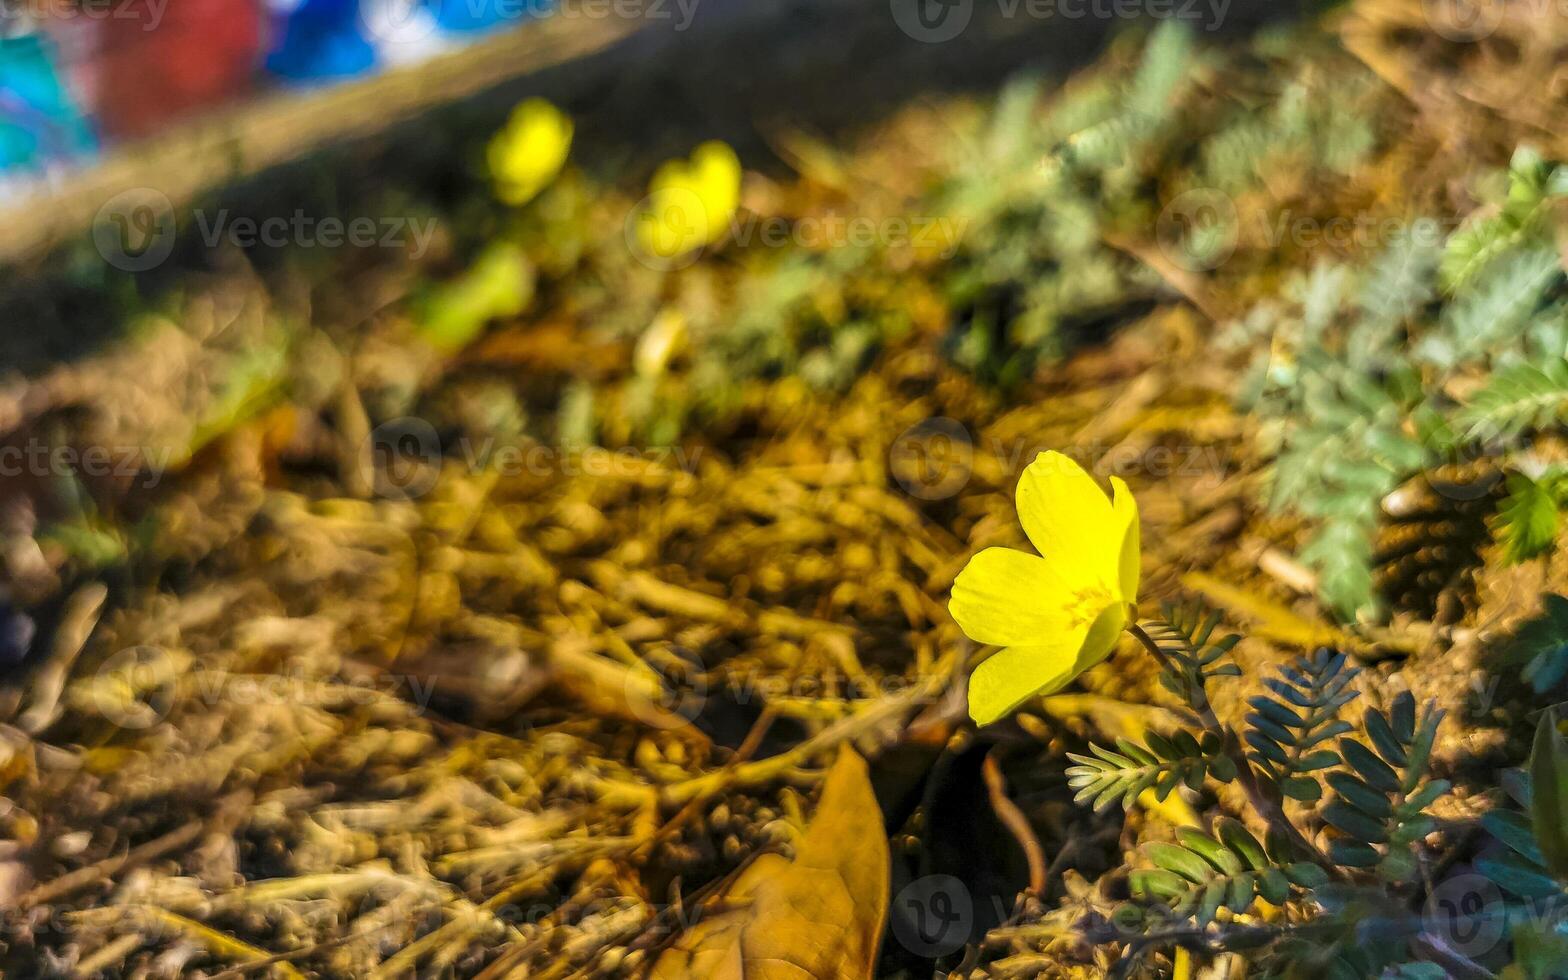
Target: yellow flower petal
<point>716,170</point>
<point>1103,636</point>
<point>1010,598</point>
<point>529,151</point>
<point>690,203</point>
<point>672,230</point>
<point>1070,522</point>
<point>671,174</point>
<point>1014,675</point>
<point>1126,509</point>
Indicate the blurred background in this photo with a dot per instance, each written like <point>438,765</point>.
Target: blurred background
<point>467,467</point>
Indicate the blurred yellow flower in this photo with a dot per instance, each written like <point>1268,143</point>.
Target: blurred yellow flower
<point>1059,613</point>
<point>529,151</point>
<point>690,203</point>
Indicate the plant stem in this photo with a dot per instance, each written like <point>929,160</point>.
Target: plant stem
<point>1016,823</point>
<point>1200,698</point>
<point>1270,810</point>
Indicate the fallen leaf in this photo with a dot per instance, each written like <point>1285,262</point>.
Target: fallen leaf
<point>819,916</point>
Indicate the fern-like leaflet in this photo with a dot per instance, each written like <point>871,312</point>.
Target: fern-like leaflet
<point>1521,869</point>
<point>1200,873</point>
<point>1193,655</point>
<point>1285,730</point>
<point>1527,519</point>
<point>1519,398</point>
<point>1161,764</point>
<point>1382,794</point>
<point>1532,183</point>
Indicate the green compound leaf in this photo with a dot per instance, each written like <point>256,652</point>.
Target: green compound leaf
<point>1160,764</point>
<point>1201,874</point>
<point>1527,519</point>
<point>1194,656</point>
<point>1381,795</point>
<point>1541,646</point>
<point>1518,398</point>
<point>1286,727</point>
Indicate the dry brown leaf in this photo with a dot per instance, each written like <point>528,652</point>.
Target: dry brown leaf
<point>818,916</point>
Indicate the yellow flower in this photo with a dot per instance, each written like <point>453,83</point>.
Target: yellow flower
<point>1057,614</point>
<point>529,151</point>
<point>690,202</point>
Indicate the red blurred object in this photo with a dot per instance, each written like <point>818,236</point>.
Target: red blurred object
<point>157,60</point>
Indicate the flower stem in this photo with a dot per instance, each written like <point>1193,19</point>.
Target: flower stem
<point>1269,809</point>
<point>1148,644</point>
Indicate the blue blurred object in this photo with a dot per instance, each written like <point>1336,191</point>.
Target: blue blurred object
<point>39,122</point>
<point>16,634</point>
<point>321,40</point>
<point>478,16</point>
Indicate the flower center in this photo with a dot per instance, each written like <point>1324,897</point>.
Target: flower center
<point>1085,605</point>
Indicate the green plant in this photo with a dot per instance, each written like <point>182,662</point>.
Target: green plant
<point>1539,648</point>
<point>1366,906</point>
<point>1286,732</point>
<point>1256,882</point>
<point>1530,864</point>
<point>1517,399</point>
<point>1519,221</point>
<point>1062,209</point>
<point>1201,874</point>
<point>1373,375</point>
<point>1527,518</point>
<point>1307,778</point>
<point>1161,764</point>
